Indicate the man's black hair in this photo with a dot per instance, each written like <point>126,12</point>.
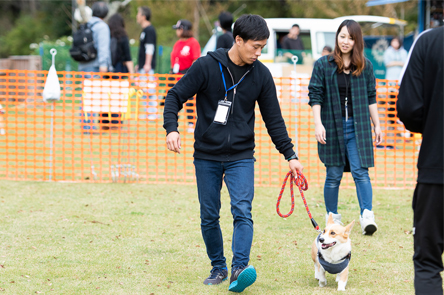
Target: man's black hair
<point>100,9</point>
<point>295,25</point>
<point>251,27</point>
<point>225,20</point>
<point>145,11</point>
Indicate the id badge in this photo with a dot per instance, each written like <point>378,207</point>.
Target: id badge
<point>222,112</point>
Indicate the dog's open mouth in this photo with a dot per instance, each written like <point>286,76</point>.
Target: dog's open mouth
<point>326,246</point>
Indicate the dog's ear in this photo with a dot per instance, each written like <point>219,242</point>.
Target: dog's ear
<point>349,227</point>
<point>330,219</point>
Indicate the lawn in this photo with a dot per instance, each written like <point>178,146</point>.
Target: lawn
<point>73,238</point>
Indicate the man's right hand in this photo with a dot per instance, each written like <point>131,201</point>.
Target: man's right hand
<point>173,141</point>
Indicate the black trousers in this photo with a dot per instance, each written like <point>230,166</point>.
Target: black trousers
<point>428,211</point>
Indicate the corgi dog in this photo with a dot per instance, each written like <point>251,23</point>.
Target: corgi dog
<point>331,252</point>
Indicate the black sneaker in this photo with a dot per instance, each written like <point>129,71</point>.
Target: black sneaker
<point>242,278</point>
<point>217,276</point>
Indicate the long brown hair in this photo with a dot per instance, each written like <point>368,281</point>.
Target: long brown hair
<point>357,60</point>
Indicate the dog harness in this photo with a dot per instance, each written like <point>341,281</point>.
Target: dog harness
<point>333,268</point>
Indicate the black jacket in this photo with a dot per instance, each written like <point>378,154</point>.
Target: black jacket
<point>235,140</point>
<point>420,103</point>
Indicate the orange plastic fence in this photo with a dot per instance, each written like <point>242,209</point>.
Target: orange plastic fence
<point>108,128</point>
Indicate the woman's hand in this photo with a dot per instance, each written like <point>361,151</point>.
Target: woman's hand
<point>320,133</point>
<point>378,135</point>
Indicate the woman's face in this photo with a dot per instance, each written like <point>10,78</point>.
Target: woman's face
<point>345,41</point>
<point>179,33</point>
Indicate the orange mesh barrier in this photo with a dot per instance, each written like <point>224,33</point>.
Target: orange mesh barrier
<point>108,128</point>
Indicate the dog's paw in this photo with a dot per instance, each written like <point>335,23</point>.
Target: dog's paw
<point>322,284</point>
<point>341,286</point>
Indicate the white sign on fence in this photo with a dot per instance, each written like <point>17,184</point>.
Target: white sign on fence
<point>105,96</point>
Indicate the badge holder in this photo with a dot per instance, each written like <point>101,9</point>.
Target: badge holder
<point>222,112</point>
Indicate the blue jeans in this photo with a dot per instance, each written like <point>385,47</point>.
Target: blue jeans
<point>239,179</point>
<point>360,174</point>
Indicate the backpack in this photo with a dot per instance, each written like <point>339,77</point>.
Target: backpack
<point>114,46</point>
<point>83,44</point>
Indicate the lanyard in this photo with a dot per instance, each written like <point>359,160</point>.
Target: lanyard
<point>225,85</point>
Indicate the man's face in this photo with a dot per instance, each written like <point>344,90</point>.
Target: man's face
<point>250,51</point>
<point>294,31</point>
<point>139,17</point>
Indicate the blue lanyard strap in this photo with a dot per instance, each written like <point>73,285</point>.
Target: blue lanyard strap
<point>225,85</point>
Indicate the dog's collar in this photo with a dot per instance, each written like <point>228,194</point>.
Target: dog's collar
<point>348,256</point>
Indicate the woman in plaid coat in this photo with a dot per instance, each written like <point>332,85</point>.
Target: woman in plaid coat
<point>343,98</point>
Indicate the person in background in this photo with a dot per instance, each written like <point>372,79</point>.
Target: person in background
<point>292,40</point>
<point>102,39</point>
<point>342,92</point>
<point>226,40</point>
<point>394,59</point>
<point>421,109</point>
<point>326,50</point>
<point>124,63</point>
<point>186,50</point>
<point>147,49</point>
<point>2,121</point>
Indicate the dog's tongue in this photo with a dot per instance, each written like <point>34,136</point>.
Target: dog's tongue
<point>325,246</point>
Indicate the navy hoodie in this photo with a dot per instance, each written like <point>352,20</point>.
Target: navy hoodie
<point>420,103</point>
<point>235,140</point>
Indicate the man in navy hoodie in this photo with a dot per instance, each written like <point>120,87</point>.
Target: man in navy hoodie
<point>228,83</point>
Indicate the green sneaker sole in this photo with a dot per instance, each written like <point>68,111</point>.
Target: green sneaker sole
<point>245,279</point>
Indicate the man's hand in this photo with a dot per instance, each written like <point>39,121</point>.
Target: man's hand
<point>103,69</point>
<point>173,141</point>
<point>295,165</point>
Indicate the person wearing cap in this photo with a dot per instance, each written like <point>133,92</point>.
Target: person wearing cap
<point>186,50</point>
<point>228,83</point>
<point>226,40</point>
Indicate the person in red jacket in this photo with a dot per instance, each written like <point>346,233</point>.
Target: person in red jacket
<point>186,50</point>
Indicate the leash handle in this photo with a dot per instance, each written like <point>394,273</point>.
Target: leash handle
<point>302,184</point>
<point>280,196</point>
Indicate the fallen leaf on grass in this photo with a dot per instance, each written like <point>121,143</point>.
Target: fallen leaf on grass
<point>2,266</point>
<point>95,221</point>
<point>401,246</point>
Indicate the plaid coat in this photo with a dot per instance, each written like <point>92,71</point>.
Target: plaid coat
<point>323,90</point>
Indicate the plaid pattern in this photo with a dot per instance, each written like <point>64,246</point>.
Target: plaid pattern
<point>323,90</point>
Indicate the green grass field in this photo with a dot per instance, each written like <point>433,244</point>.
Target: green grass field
<point>72,238</point>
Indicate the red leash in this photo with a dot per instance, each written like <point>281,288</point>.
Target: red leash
<point>302,184</point>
